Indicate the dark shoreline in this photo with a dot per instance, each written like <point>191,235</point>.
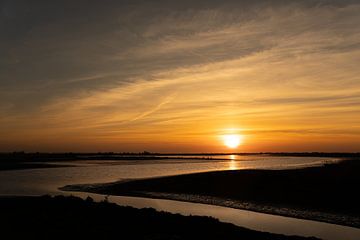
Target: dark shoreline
<point>326,194</point>
<point>9,166</point>
<point>22,160</point>
<point>58,217</point>
<point>17,157</point>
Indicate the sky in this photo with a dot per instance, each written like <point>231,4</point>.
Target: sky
<point>176,76</point>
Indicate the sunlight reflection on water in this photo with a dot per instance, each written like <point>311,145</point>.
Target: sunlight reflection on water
<point>47,181</point>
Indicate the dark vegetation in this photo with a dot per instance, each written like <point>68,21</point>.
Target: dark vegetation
<point>330,189</point>
<point>70,217</point>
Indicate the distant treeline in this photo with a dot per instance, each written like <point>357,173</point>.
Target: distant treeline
<point>43,157</point>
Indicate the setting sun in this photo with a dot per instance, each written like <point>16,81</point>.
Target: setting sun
<point>232,140</point>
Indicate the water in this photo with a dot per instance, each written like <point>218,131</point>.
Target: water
<point>47,181</point>
<point>248,219</point>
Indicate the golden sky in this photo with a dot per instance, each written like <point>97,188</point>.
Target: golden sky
<point>165,76</point>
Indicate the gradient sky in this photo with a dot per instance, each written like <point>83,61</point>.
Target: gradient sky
<point>173,76</point>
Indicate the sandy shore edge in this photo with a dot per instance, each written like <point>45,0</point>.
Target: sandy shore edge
<point>338,219</point>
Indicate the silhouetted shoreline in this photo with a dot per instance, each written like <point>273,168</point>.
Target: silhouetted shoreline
<point>60,217</point>
<point>327,194</point>
<point>8,166</point>
<point>23,160</point>
<point>70,156</point>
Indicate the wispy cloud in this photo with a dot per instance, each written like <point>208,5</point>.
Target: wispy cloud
<point>144,70</point>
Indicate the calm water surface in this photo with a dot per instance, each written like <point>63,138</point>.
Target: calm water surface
<point>43,181</point>
<point>248,219</point>
<point>47,181</point>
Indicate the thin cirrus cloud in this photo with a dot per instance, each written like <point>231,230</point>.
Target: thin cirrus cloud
<point>131,74</point>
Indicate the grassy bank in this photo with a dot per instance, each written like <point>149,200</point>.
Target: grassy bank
<point>63,217</point>
<point>326,193</point>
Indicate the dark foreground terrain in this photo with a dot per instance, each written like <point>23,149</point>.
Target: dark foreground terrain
<point>70,217</point>
<point>328,193</point>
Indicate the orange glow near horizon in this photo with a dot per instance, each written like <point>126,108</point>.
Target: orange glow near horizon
<point>207,80</point>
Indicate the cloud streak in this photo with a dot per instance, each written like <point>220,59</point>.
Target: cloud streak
<point>181,72</point>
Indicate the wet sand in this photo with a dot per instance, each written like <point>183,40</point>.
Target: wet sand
<point>325,194</point>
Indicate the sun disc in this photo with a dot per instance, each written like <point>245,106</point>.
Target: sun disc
<point>232,140</point>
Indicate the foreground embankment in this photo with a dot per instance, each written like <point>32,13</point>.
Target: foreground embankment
<point>63,217</point>
<point>327,193</point>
